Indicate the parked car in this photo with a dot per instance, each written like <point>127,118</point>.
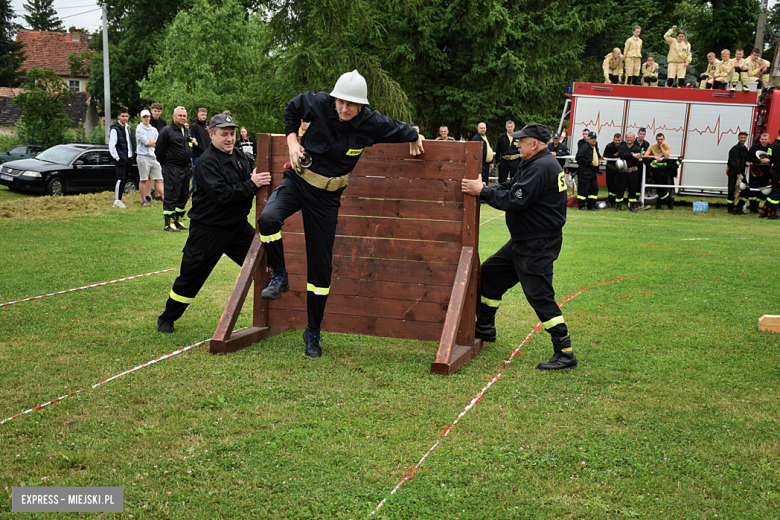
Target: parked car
<point>22,151</point>
<point>66,168</point>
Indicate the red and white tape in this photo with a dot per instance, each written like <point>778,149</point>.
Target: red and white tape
<point>491,219</point>
<point>166,356</point>
<point>86,287</point>
<point>481,393</point>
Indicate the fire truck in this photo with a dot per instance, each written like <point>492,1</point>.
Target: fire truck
<point>699,125</point>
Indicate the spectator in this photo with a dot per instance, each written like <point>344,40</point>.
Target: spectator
<point>585,134</point>
<point>228,113</point>
<point>157,122</point>
<point>120,144</point>
<point>487,150</point>
<point>416,127</point>
<point>508,154</point>
<point>247,145</point>
<point>200,135</point>
<point>148,167</point>
<point>444,134</point>
<point>174,153</point>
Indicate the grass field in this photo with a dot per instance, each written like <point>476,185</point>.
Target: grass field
<point>672,412</point>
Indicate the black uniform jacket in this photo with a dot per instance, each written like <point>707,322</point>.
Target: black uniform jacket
<point>506,145</point>
<point>559,150</point>
<point>759,169</point>
<point>173,148</point>
<point>159,124</point>
<point>534,199</point>
<point>478,138</point>
<point>334,145</point>
<point>775,157</point>
<point>223,193</point>
<point>611,151</point>
<point>624,152</point>
<point>199,131</point>
<point>737,158</point>
<point>584,157</point>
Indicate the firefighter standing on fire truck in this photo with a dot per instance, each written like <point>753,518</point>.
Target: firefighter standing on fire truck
<point>340,128</point>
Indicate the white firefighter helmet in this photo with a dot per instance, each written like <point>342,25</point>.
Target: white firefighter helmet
<point>766,190</point>
<point>621,165</point>
<point>743,186</point>
<point>351,86</point>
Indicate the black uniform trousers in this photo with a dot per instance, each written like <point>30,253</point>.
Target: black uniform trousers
<point>486,173</point>
<point>732,188</point>
<point>588,187</point>
<point>320,210</point>
<point>204,248</point>
<point>611,173</point>
<point>507,169</point>
<point>757,183</point>
<point>176,180</point>
<point>529,262</point>
<point>664,194</point>
<point>620,184</point>
<point>774,198</point>
<point>634,184</point>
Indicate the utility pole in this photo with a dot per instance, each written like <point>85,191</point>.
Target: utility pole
<point>107,76</point>
<point>760,28</point>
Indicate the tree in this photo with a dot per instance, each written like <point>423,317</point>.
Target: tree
<point>214,57</point>
<point>11,53</point>
<point>41,16</point>
<point>43,111</point>
<point>127,67</point>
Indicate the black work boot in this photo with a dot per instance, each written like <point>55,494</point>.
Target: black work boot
<point>659,204</point>
<point>632,207</point>
<point>773,214</point>
<point>670,202</point>
<point>731,209</point>
<point>485,328</point>
<point>179,217</point>
<point>619,206</point>
<point>169,225</point>
<point>164,325</point>
<point>764,211</point>
<point>278,285</point>
<point>563,356</point>
<point>739,209</point>
<point>312,340</point>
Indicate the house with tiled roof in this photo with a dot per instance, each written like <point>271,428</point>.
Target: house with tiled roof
<point>79,107</point>
<point>51,50</point>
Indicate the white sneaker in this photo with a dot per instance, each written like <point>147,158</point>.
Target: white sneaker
<point>119,204</point>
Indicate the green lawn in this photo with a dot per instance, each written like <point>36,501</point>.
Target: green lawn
<point>672,412</point>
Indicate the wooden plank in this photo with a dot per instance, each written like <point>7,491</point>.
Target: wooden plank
<point>769,323</point>
<point>399,189</point>
<point>461,355</point>
<point>410,168</point>
<point>366,326</point>
<point>240,290</point>
<point>262,276</point>
<point>369,307</point>
<point>423,210</point>
<point>380,289</point>
<point>360,247</point>
<point>378,269</point>
<point>404,229</point>
<point>470,238</point>
<point>455,308</point>
<point>239,340</point>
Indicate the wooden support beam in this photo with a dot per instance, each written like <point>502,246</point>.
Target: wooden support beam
<point>769,323</point>
<point>457,303</point>
<point>241,339</point>
<point>240,290</point>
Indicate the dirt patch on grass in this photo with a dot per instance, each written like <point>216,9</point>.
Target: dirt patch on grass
<point>44,207</point>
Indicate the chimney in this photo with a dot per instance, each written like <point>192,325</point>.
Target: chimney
<point>75,35</point>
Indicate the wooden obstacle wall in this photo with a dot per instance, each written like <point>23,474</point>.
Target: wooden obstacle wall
<point>405,258</point>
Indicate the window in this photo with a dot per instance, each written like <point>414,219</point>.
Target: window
<point>90,158</point>
<point>74,84</point>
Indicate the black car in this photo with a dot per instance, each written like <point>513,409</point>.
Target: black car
<point>66,168</point>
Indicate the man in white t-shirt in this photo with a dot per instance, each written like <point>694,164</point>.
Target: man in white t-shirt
<point>148,167</point>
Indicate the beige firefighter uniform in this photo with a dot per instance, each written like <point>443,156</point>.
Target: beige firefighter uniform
<point>652,72</point>
<point>754,70</point>
<point>612,66</point>
<point>708,77</point>
<point>632,53</point>
<point>738,74</point>
<point>679,56</point>
<point>724,72</point>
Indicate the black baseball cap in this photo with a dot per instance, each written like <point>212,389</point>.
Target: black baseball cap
<point>534,130</point>
<point>592,135</point>
<point>556,135</point>
<point>222,121</point>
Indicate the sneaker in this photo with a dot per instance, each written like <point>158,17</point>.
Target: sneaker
<point>165,326</point>
<point>276,287</point>
<point>145,203</point>
<point>148,198</point>
<point>312,340</point>
<point>119,204</point>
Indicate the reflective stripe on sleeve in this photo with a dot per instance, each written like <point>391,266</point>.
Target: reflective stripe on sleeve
<point>552,323</point>
<point>179,298</point>
<point>319,291</point>
<point>271,238</point>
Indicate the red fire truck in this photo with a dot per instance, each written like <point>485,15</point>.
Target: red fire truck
<point>699,125</point>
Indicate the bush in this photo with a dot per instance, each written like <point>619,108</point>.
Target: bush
<point>79,135</point>
<point>8,141</point>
